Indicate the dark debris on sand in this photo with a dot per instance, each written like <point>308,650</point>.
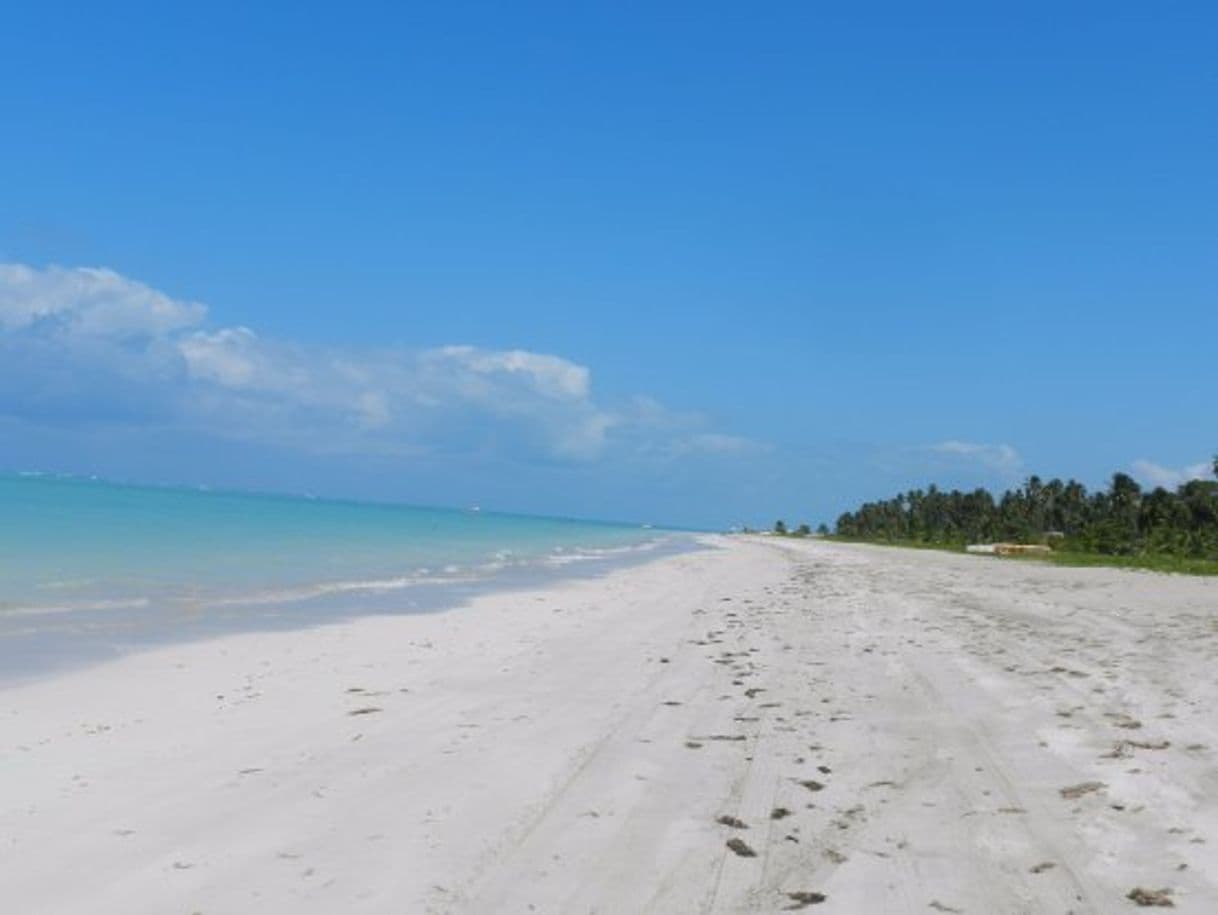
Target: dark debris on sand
<point>1144,897</point>
<point>1074,792</point>
<point>801,899</point>
<point>741,848</point>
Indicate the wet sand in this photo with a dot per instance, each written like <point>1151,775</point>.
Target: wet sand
<point>764,726</point>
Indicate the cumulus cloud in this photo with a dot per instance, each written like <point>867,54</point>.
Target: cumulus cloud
<point>1169,477</point>
<point>88,302</point>
<point>86,344</point>
<point>550,376</point>
<point>228,357</point>
<point>1000,458</point>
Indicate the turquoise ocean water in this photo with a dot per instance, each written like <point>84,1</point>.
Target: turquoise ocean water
<point>89,568</point>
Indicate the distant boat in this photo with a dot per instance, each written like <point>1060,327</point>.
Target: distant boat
<point>475,508</point>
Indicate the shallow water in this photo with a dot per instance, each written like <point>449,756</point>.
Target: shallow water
<point>89,569</point>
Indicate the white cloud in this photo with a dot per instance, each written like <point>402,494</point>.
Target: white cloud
<point>551,376</point>
<point>119,340</point>
<point>226,357</point>
<point>374,409</point>
<point>1000,458</point>
<point>1168,477</point>
<point>89,301</point>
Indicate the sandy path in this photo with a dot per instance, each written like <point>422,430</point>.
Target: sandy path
<point>894,728</point>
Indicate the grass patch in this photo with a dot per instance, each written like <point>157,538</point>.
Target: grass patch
<point>1180,565</point>
<point>1151,562</point>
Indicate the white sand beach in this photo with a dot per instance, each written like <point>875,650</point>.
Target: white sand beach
<point>893,731</point>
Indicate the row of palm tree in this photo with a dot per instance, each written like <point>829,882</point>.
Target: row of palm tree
<point>1124,519</point>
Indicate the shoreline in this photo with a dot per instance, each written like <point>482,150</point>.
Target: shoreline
<point>76,639</point>
<point>888,730</point>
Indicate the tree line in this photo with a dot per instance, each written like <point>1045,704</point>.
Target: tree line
<point>1123,520</point>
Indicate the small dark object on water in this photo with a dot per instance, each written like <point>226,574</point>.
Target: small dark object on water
<point>740,847</point>
<point>1145,897</point>
<point>732,821</point>
<point>367,710</point>
<point>812,784</point>
<point>779,812</point>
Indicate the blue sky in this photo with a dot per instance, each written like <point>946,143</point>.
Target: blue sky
<point>689,263</point>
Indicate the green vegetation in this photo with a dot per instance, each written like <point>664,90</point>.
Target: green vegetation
<point>1123,525</point>
<point>1155,562</point>
<point>780,528</point>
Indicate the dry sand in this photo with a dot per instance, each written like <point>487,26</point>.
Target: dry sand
<point>762,726</point>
